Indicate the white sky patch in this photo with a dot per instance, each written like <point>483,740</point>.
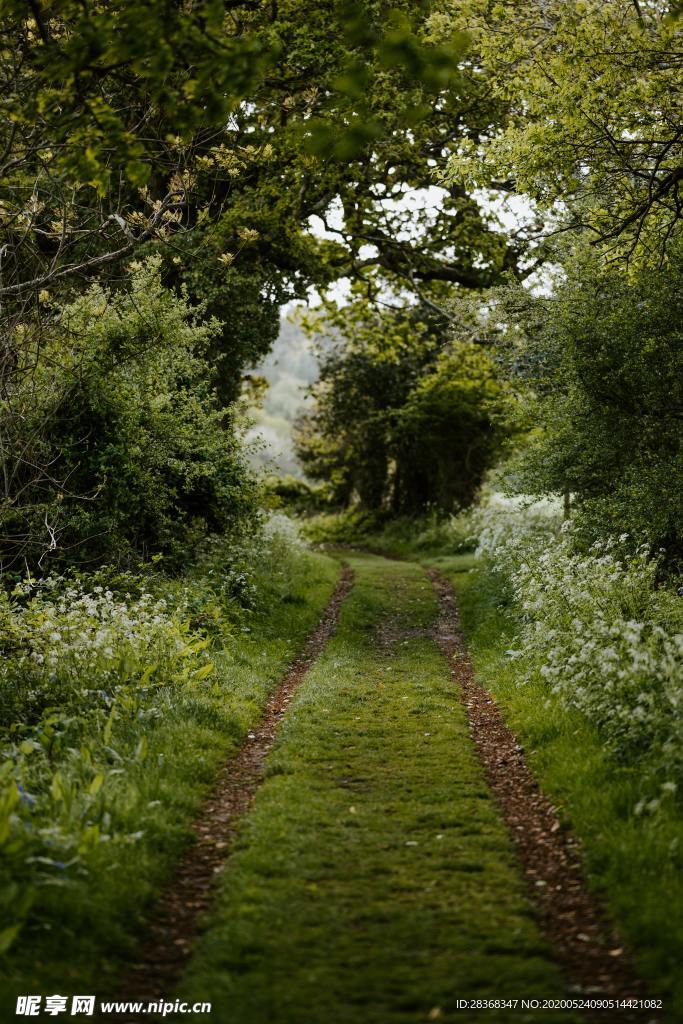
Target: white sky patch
<point>515,214</point>
<point>512,213</point>
<point>403,200</point>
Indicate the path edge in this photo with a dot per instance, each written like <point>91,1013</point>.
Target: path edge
<point>576,924</point>
<point>174,922</point>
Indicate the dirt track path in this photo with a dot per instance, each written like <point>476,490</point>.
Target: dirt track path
<point>373,880</point>
<point>395,861</point>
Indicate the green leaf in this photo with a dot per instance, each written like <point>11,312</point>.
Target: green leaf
<point>147,674</point>
<point>96,784</point>
<point>204,671</point>
<point>106,734</point>
<point>57,787</point>
<point>8,935</point>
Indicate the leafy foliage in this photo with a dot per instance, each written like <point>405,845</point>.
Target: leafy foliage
<point>78,665</point>
<point>451,429</point>
<point>234,123</point>
<point>132,453</point>
<point>213,133</point>
<point>405,417</point>
<point>109,682</point>
<point>603,357</point>
<point>599,632</point>
<point>593,94</point>
<point>633,859</point>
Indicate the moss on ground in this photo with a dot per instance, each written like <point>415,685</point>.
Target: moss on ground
<point>373,880</point>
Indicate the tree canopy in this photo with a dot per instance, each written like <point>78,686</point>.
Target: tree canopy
<point>123,123</point>
<point>592,132</point>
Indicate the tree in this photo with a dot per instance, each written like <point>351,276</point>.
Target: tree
<point>405,417</point>
<point>593,129</point>
<point>451,430</point>
<point>125,122</point>
<point>602,360</point>
<point>211,133</point>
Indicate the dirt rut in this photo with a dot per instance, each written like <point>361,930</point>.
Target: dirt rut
<point>592,954</point>
<point>175,919</point>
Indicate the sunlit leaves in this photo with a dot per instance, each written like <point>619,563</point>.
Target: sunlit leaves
<point>593,90</point>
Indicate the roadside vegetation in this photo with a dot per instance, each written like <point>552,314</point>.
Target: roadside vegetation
<point>122,695</point>
<point>624,809</point>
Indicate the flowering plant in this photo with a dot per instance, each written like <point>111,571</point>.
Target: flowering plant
<point>599,629</point>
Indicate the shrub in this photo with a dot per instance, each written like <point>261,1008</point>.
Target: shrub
<point>298,495</point>
<point>79,666</point>
<point>599,630</point>
<point>603,358</point>
<point>132,452</point>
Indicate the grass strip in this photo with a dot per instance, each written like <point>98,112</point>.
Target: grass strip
<point>633,862</point>
<point>373,879</point>
<point>89,923</point>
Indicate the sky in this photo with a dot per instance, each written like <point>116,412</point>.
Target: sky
<point>510,213</point>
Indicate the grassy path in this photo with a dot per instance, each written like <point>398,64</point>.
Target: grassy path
<point>373,880</point>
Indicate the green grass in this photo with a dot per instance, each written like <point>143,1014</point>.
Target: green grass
<point>373,881</point>
<point>87,926</point>
<point>403,537</point>
<point>633,861</point>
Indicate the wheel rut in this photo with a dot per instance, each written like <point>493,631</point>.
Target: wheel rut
<point>586,944</point>
<point>175,921</point>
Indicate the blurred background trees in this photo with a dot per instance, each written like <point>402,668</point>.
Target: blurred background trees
<point>258,153</point>
<point>405,417</point>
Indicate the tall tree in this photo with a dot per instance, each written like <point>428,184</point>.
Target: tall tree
<point>594,127</point>
<point>405,416</point>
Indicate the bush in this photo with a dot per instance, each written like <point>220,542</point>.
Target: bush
<point>92,667</point>
<point>293,493</point>
<point>132,453</point>
<point>79,665</point>
<point>598,630</point>
<point>604,360</point>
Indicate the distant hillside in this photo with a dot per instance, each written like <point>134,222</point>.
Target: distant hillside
<point>289,369</point>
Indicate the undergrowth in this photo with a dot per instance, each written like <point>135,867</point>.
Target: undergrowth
<point>120,694</point>
<point>404,536</point>
<point>601,629</point>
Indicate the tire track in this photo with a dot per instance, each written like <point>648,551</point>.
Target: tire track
<point>587,946</point>
<point>175,919</point>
